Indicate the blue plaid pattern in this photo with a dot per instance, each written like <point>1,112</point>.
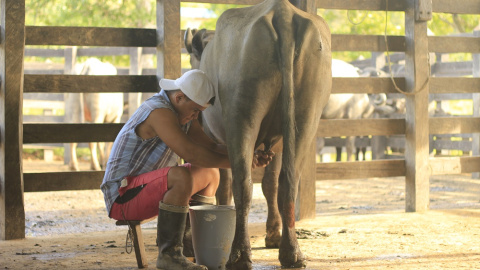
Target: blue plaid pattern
<point>131,155</point>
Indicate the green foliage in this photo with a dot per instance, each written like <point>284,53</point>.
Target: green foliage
<point>363,22</point>
<point>216,9</point>
<point>141,13</point>
<point>118,13</point>
<point>83,153</point>
<point>33,153</point>
<point>447,24</point>
<point>185,61</point>
<point>59,152</point>
<point>96,13</point>
<point>460,107</point>
<point>33,111</point>
<point>40,111</point>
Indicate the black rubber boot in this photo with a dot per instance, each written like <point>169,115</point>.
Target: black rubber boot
<point>197,199</point>
<point>170,229</point>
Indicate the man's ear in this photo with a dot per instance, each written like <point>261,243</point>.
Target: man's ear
<point>179,96</point>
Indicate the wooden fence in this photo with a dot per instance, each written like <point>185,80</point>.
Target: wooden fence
<point>379,145</point>
<point>69,55</point>
<point>443,144</point>
<point>416,167</point>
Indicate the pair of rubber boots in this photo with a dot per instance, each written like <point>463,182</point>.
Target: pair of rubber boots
<point>173,230</point>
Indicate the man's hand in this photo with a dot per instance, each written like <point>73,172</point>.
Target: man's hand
<point>262,158</point>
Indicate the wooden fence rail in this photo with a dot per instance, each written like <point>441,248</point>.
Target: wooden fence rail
<point>340,85</point>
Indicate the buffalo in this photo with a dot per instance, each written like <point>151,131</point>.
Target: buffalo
<point>270,65</point>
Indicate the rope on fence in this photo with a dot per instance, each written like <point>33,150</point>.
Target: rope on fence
<point>390,64</point>
<point>361,21</point>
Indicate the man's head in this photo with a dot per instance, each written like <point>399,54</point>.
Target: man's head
<point>194,84</point>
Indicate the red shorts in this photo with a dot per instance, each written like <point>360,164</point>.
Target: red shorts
<point>145,204</point>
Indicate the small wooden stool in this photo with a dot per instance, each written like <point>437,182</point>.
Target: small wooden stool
<point>138,243</point>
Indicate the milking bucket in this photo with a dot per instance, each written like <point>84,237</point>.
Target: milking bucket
<point>213,228</point>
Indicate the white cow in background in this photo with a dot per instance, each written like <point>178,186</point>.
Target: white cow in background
<point>93,108</point>
<point>348,106</point>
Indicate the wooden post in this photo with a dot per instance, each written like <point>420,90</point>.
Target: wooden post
<point>169,39</point>
<point>308,6</point>
<point>12,213</point>
<point>476,106</point>
<point>416,118</point>
<point>305,202</point>
<point>134,99</point>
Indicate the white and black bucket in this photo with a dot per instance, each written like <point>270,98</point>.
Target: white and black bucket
<point>213,228</point>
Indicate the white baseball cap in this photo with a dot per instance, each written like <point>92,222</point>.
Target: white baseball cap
<point>194,84</point>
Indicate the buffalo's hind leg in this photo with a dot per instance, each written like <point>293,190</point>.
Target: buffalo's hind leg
<point>290,255</point>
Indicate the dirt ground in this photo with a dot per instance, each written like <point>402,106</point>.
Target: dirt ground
<point>360,224</point>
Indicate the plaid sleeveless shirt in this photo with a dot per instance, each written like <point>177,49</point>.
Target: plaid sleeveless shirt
<point>132,155</point>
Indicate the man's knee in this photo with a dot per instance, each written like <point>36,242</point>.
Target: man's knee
<point>212,175</point>
<point>180,177</point>
<point>215,174</point>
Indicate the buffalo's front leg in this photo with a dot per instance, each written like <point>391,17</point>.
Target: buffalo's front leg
<point>73,164</point>
<point>240,255</point>
<point>94,165</point>
<point>270,191</point>
<point>224,191</point>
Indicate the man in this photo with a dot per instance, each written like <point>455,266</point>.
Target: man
<point>143,178</point>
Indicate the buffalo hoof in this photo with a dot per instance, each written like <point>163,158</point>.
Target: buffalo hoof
<point>292,258</point>
<point>95,168</point>
<point>239,260</point>
<point>73,167</point>
<point>272,240</point>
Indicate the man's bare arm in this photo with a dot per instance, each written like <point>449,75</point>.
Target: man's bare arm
<point>197,134</point>
<point>165,125</point>
<point>260,158</point>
